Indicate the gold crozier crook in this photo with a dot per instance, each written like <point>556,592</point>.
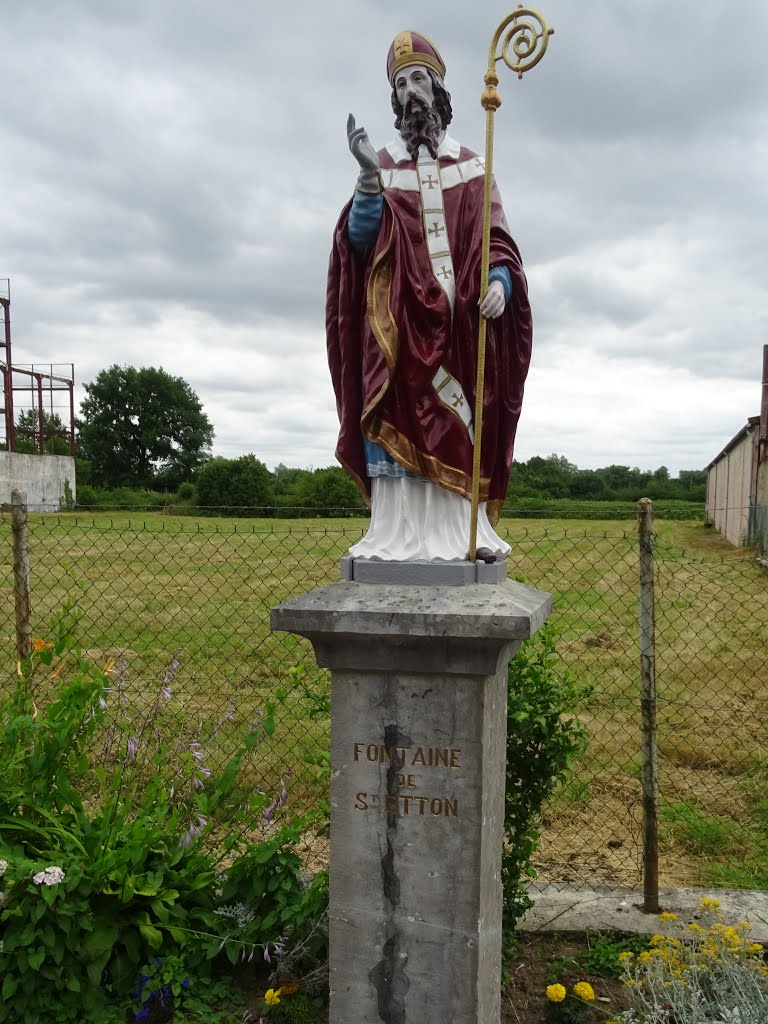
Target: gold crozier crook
<point>528,40</point>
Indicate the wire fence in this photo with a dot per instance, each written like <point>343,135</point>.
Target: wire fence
<point>148,590</point>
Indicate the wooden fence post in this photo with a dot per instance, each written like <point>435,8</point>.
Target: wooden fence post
<point>21,574</point>
<point>650,776</point>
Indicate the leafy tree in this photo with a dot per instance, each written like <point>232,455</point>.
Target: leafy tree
<point>240,484</point>
<point>325,492</point>
<point>143,427</point>
<point>55,433</point>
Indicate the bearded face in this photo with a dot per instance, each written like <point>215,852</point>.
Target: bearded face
<point>420,125</point>
<point>422,112</point>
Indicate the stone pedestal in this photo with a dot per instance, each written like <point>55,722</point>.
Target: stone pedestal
<point>418,729</point>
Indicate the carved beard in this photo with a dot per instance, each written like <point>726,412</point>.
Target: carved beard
<point>420,125</point>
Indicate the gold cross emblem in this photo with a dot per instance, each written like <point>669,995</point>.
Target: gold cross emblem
<point>403,44</point>
<point>458,400</point>
<point>445,273</point>
<point>430,183</point>
<point>436,229</point>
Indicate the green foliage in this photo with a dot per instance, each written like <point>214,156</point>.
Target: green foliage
<point>128,497</point>
<point>543,738</point>
<point>319,492</point>
<point>142,427</point>
<point>299,1009</point>
<point>229,486</point>
<point>600,956</point>
<point>697,831</point>
<point>109,874</point>
<point>56,440</point>
<point>572,508</point>
<point>555,477</point>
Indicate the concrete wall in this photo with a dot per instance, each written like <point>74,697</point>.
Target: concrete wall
<point>729,485</point>
<point>41,476</point>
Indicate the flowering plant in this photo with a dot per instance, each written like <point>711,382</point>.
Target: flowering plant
<point>570,1008</point>
<point>108,867</point>
<point>699,973</point>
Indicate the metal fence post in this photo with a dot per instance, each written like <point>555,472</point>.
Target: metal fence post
<point>649,773</point>
<point>21,588</point>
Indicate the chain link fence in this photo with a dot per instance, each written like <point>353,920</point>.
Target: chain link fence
<point>150,590</point>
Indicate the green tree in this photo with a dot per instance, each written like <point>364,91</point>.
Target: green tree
<point>55,433</point>
<point>240,485</point>
<point>325,492</point>
<point>143,428</point>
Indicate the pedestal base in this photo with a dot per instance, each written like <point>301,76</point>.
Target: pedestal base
<point>434,574</point>
<point>418,730</point>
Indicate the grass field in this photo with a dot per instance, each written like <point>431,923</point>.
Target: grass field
<point>146,586</point>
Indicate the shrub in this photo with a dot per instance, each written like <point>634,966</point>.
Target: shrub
<point>569,508</point>
<point>236,485</point>
<point>543,738</point>
<point>709,972</point>
<point>110,869</point>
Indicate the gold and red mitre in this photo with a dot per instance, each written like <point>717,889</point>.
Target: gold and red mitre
<point>410,48</point>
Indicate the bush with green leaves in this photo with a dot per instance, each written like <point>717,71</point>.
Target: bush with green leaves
<point>543,738</point>
<point>108,869</point>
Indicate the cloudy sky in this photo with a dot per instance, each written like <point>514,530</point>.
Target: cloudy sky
<point>172,171</point>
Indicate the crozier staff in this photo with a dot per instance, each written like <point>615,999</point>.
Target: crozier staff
<point>402,315</point>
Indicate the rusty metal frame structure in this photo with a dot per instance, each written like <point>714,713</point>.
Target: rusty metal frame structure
<point>40,383</point>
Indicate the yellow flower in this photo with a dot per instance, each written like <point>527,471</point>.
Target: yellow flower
<point>667,916</point>
<point>709,904</point>
<point>626,956</point>
<point>756,947</point>
<point>584,990</point>
<point>644,958</point>
<point>272,996</point>
<point>556,993</point>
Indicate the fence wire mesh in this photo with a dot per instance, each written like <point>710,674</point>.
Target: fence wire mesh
<point>148,590</point>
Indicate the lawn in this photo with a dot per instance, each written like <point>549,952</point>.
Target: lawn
<point>149,585</point>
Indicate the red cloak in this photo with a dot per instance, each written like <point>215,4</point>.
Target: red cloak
<point>389,329</point>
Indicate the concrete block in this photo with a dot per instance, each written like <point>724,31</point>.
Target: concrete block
<point>420,573</point>
<point>418,730</point>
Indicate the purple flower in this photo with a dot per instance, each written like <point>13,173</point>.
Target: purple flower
<point>267,957</point>
<point>194,831</point>
<point>133,746</point>
<point>198,780</point>
<point>170,673</point>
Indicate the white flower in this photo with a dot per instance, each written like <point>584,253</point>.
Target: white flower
<point>3,867</point>
<point>237,912</point>
<point>50,876</point>
<point>3,899</point>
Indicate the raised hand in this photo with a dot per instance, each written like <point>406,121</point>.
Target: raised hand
<point>360,146</point>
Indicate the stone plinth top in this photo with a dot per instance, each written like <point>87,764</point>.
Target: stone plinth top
<point>509,611</point>
<point>439,629</point>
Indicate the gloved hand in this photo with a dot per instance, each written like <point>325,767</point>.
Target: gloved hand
<point>494,302</point>
<point>361,149</point>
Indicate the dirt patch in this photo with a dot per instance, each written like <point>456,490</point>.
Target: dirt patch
<point>530,970</point>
